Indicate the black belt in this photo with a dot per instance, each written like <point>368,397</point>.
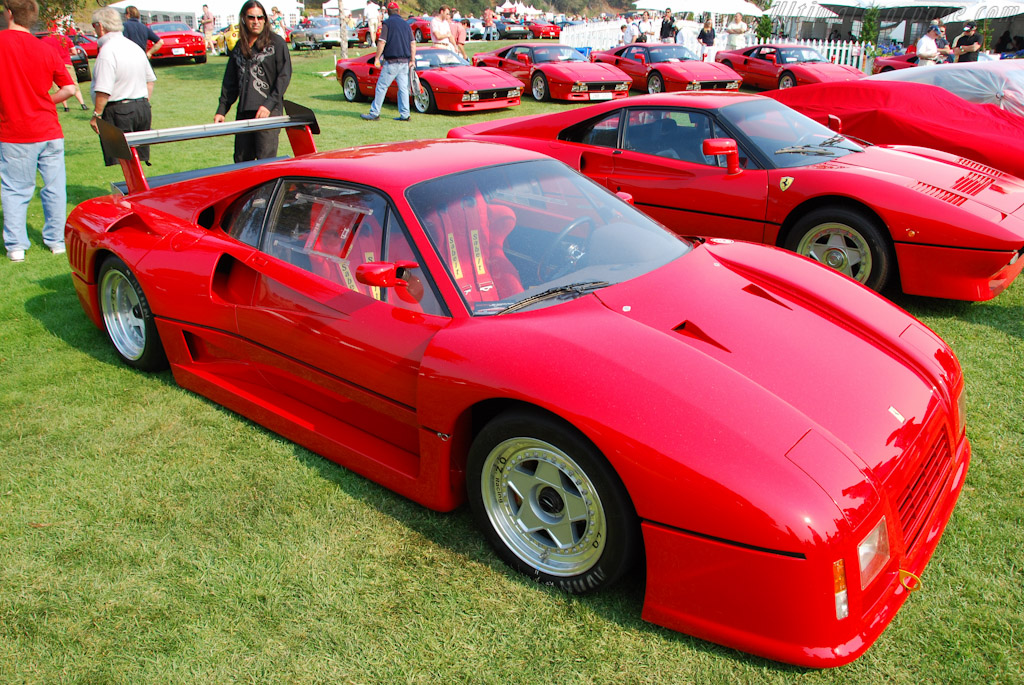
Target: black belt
<point>114,102</point>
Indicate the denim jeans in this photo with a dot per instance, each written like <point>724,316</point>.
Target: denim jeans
<point>389,71</point>
<point>18,165</point>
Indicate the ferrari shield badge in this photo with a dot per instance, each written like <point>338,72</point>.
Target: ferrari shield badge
<point>785,183</point>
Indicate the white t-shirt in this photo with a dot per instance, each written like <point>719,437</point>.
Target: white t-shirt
<point>122,69</point>
<point>736,31</point>
<point>927,51</point>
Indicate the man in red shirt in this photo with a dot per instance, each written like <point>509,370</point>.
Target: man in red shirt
<point>31,139</point>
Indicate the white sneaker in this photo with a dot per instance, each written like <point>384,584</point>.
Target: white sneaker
<point>58,249</point>
<point>16,255</point>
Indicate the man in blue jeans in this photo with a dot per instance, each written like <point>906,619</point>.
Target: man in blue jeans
<point>396,52</point>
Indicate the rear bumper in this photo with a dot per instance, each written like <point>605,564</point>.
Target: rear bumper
<point>956,273</point>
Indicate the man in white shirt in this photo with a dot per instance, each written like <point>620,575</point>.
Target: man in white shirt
<point>927,50</point>
<point>441,30</point>
<point>122,81</point>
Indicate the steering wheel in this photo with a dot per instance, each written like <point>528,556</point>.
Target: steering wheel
<point>552,248</point>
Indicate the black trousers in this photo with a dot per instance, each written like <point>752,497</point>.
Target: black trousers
<point>129,116</point>
<point>258,145</point>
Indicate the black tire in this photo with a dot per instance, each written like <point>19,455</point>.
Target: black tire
<point>539,86</point>
<point>201,59</point>
<point>295,46</point>
<point>550,504</point>
<point>848,240</point>
<point>787,80</point>
<point>655,83</point>
<point>350,87</point>
<point>425,102</point>
<point>418,35</point>
<point>127,317</point>
<point>885,69</point>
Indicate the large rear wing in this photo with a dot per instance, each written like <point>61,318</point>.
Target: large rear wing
<point>298,122</point>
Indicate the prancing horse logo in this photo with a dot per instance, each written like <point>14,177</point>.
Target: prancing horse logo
<point>785,183</point>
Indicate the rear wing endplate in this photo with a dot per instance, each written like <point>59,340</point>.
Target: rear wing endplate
<point>299,123</point>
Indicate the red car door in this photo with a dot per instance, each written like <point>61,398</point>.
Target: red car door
<point>762,72</point>
<point>661,164</point>
<point>512,64</point>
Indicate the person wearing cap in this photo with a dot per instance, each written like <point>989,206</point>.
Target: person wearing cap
<point>943,46</point>
<point>967,44</point>
<point>396,51</point>
<point>927,50</point>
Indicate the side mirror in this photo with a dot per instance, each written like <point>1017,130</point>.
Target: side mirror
<point>772,58</point>
<point>835,123</point>
<point>625,197</point>
<point>391,275</point>
<point>727,147</point>
<point>525,59</point>
<point>641,58</point>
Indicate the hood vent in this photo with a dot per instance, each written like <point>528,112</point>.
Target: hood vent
<point>761,292</point>
<point>940,194</point>
<point>978,166</point>
<point>973,183</point>
<point>692,330</point>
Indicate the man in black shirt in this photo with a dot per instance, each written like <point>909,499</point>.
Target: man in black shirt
<point>968,44</point>
<point>396,52</point>
<point>138,33</point>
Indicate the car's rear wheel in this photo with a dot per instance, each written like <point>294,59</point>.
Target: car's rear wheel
<point>201,59</point>
<point>418,35</point>
<point>655,84</point>
<point>787,80</point>
<point>424,100</point>
<point>539,85</point>
<point>848,241</point>
<point>350,87</point>
<point>127,317</point>
<point>550,504</point>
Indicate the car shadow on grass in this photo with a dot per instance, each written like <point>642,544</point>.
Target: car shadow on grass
<point>1000,314</point>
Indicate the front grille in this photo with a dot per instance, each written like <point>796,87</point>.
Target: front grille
<point>499,94</point>
<point>927,483</point>
<point>715,85</point>
<point>600,86</point>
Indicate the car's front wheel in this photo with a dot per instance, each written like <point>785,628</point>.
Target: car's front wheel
<point>787,80</point>
<point>847,240</point>
<point>418,36</point>
<point>550,504</point>
<point>127,317</point>
<point>655,84</point>
<point>539,85</point>
<point>424,100</point>
<point>350,87</point>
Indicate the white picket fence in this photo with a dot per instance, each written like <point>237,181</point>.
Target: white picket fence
<point>602,35</point>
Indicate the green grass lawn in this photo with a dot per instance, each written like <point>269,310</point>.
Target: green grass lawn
<point>148,535</point>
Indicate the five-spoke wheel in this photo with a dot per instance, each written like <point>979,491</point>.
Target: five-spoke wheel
<point>846,240</point>
<point>127,317</point>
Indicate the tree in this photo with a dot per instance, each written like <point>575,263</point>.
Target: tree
<point>54,9</point>
<point>870,25</point>
<point>764,24</point>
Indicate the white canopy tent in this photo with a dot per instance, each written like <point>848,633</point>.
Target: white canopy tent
<point>189,11</point>
<point>697,7</point>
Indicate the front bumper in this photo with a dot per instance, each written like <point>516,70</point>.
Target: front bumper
<point>956,273</point>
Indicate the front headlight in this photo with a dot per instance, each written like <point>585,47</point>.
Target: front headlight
<point>621,86</point>
<point>873,553</point>
<point>693,85</point>
<point>471,97</point>
<point>733,85</point>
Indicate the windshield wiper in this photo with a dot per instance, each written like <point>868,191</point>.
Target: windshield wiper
<point>577,289</point>
<point>804,150</point>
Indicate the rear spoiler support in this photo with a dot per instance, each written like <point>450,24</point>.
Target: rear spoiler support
<point>299,123</point>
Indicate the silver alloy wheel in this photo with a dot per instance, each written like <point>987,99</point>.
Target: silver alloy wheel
<point>839,246</point>
<point>122,315</point>
<point>655,84</point>
<point>543,506</point>
<point>540,87</point>
<point>787,81</point>
<point>421,100</point>
<point>350,87</point>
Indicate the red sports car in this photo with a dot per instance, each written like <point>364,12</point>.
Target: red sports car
<point>420,29</point>
<point>558,72</point>
<point>884,64</point>
<point>179,42</point>
<point>461,322</point>
<point>449,83</point>
<point>668,67</point>
<point>86,43</point>
<point>784,66</point>
<point>746,167</point>
<point>543,29</point>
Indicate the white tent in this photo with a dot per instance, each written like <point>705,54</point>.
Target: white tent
<point>697,7</point>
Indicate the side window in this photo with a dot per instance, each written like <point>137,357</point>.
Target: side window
<point>634,53</point>
<point>673,134</point>
<point>419,295</point>
<point>244,218</point>
<point>602,132</point>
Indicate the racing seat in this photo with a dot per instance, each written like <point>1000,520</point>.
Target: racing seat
<point>340,241</point>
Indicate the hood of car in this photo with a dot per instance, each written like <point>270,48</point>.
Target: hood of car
<point>473,78</point>
<point>695,70</point>
<point>825,71</point>
<point>584,71</point>
<point>860,370</point>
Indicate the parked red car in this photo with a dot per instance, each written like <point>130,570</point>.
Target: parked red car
<point>543,29</point>
<point>466,322</point>
<point>420,29</point>
<point>668,67</point>
<point>449,83</point>
<point>784,66</point>
<point>884,64</point>
<point>557,72</point>
<point>746,167</point>
<point>86,43</point>
<point>180,42</point>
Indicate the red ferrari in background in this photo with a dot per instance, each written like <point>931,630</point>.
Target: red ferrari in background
<point>784,66</point>
<point>543,29</point>
<point>420,29</point>
<point>884,64</point>
<point>746,167</point>
<point>86,43</point>
<point>449,83</point>
<point>557,72</point>
<point>180,42</point>
<point>668,67</point>
<point>460,321</point>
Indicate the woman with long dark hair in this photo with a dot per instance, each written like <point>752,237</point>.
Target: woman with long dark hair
<point>258,72</point>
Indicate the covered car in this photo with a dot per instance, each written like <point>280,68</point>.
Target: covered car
<point>557,72</point>
<point>995,82</point>
<point>448,82</point>
<point>460,322</point>
<point>781,65</point>
<point>668,67</point>
<point>746,167</point>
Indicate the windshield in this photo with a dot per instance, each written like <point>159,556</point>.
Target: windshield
<point>793,55</point>
<point>167,28</point>
<point>784,136</point>
<point>321,23</point>
<point>428,59</point>
<point>557,53</point>
<point>670,53</point>
<point>534,234</point>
